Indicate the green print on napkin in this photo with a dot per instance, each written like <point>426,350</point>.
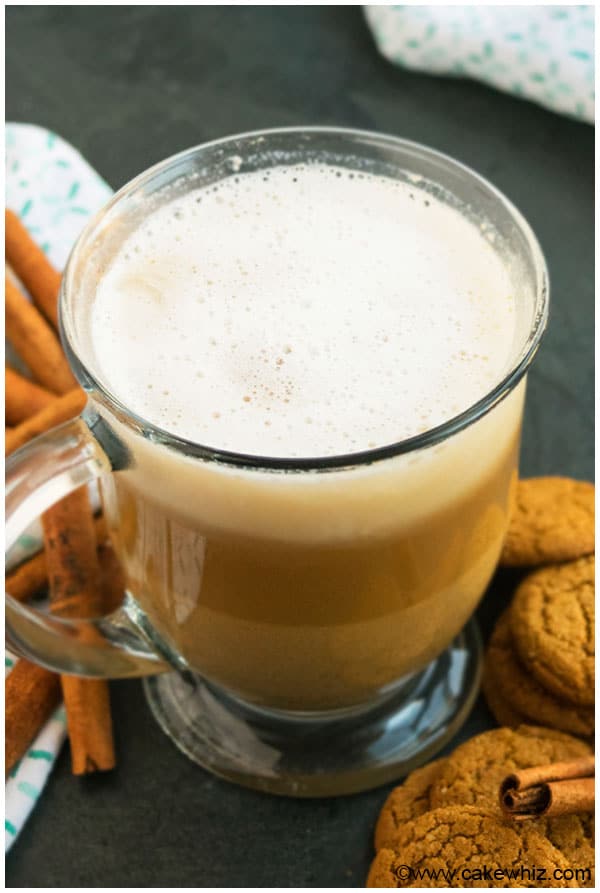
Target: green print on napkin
<point>541,53</point>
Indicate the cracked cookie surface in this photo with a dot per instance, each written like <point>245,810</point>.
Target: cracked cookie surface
<point>552,624</point>
<point>406,802</point>
<point>574,836</point>
<point>464,840</point>
<point>552,520</point>
<point>472,774</point>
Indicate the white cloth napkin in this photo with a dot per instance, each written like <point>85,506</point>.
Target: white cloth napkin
<point>543,53</point>
<point>54,191</point>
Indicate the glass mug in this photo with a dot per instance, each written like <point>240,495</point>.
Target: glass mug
<point>303,624</point>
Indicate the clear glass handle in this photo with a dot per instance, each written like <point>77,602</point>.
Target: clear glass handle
<point>37,476</point>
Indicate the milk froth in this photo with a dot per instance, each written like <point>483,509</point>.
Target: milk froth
<point>303,311</point>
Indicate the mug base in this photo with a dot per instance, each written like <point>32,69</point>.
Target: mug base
<point>304,756</point>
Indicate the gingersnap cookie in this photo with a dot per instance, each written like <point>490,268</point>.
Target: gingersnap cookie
<point>552,625</point>
<point>468,846</point>
<point>524,693</point>
<point>504,712</point>
<point>552,520</point>
<point>472,774</point>
<point>574,836</point>
<point>406,802</point>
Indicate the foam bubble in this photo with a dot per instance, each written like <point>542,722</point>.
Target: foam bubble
<point>304,311</point>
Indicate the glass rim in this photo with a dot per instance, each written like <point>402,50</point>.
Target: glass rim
<point>523,359</point>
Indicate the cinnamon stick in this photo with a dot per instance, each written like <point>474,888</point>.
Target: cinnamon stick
<point>35,342</point>
<point>28,579</point>
<point>60,410</point>
<point>112,578</point>
<point>75,591</point>
<point>22,397</point>
<point>552,790</point>
<point>31,577</point>
<point>32,267</point>
<point>31,695</point>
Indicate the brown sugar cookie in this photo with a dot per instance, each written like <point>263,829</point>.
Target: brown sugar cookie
<point>552,520</point>
<point>472,774</point>
<point>552,625</point>
<point>406,802</point>
<point>573,835</point>
<point>524,693</point>
<point>504,712</point>
<point>477,846</point>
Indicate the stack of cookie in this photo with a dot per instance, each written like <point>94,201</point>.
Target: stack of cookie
<point>540,660</point>
<point>443,827</point>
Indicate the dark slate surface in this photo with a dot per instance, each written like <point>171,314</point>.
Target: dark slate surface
<point>129,86</point>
